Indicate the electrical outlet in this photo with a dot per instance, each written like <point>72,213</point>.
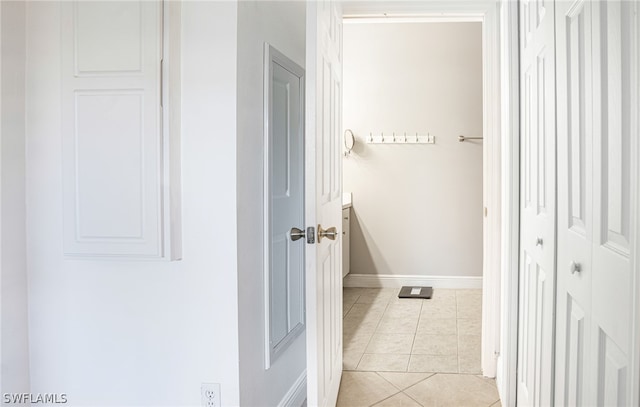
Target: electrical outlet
<point>210,394</point>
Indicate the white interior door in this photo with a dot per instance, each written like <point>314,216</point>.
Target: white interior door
<point>537,204</point>
<point>324,201</point>
<point>597,109</point>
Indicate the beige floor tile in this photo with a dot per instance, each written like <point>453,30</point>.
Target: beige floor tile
<point>437,326</point>
<point>350,295</point>
<point>435,345</point>
<point>345,309</point>
<point>396,300</point>
<point>433,363</point>
<point>350,359</point>
<point>363,389</point>
<point>390,343</point>
<point>470,364</point>
<point>408,307</point>
<point>360,323</point>
<point>376,362</point>
<point>469,306</point>
<point>400,325</point>
<point>357,341</point>
<point>367,309</point>
<point>469,292</point>
<point>453,390</point>
<point>440,294</point>
<point>443,309</point>
<point>371,295</point>
<point>398,400</point>
<point>497,404</point>
<point>468,326</point>
<point>469,345</point>
<point>403,380</point>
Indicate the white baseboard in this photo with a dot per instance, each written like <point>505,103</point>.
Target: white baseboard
<point>397,281</point>
<point>297,394</point>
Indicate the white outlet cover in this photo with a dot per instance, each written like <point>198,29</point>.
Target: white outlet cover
<point>210,395</point>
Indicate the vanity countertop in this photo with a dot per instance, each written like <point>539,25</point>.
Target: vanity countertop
<point>346,200</point>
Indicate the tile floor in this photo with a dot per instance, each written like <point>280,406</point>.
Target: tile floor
<point>409,352</point>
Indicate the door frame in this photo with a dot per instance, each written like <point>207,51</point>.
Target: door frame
<point>635,229</point>
<point>500,165</point>
<point>506,379</point>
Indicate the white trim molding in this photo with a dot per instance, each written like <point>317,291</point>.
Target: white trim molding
<point>297,394</point>
<point>508,345</point>
<point>635,221</point>
<point>397,281</point>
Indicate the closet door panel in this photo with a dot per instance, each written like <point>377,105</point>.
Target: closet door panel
<point>536,311</point>
<point>614,64</point>
<point>574,95</point>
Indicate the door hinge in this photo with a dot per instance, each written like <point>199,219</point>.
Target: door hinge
<point>485,211</point>
<point>311,235</point>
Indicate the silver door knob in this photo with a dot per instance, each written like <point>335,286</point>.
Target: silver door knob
<point>329,233</point>
<point>296,234</point>
<point>575,267</point>
<point>539,241</point>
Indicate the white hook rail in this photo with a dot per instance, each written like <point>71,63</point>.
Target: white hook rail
<point>403,138</point>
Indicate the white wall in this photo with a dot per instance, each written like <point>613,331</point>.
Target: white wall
<point>417,209</point>
<point>14,375</point>
<point>282,24</point>
<point>138,333</point>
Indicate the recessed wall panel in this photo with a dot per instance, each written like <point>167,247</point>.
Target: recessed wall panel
<point>108,37</point>
<point>281,148</point>
<point>109,165</point>
<point>115,198</point>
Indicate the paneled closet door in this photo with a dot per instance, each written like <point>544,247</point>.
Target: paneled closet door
<point>575,212</point>
<point>597,109</point>
<point>537,207</point>
<point>615,102</point>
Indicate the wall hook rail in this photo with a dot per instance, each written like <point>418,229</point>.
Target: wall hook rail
<point>397,139</point>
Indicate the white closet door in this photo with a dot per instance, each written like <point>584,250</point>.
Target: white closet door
<point>575,225</point>
<point>615,98</point>
<point>597,101</point>
<point>537,236</point>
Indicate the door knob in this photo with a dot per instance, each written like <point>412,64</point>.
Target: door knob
<point>575,267</point>
<point>296,234</point>
<point>329,233</point>
<point>539,241</point>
